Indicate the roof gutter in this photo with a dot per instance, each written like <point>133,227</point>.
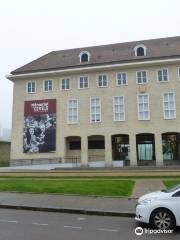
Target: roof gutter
<point>89,68</point>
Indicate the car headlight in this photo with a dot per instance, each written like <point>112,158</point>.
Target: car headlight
<point>147,201</point>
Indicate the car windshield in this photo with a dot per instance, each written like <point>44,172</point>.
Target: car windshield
<point>170,190</point>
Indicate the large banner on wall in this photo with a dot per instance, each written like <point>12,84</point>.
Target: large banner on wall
<point>39,126</point>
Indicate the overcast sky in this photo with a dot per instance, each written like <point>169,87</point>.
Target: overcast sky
<point>31,28</point>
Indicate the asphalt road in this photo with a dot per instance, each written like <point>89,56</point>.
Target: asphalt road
<point>29,225</point>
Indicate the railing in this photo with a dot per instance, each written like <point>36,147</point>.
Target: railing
<point>146,162</point>
<point>95,158</point>
<point>171,162</point>
<point>72,159</point>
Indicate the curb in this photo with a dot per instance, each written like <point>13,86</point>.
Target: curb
<point>71,211</point>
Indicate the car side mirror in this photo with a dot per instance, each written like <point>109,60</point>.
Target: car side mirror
<point>163,190</point>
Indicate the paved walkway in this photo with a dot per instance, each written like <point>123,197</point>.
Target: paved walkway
<point>143,186</point>
<point>170,171</point>
<point>66,202</point>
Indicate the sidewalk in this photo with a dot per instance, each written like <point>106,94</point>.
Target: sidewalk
<point>69,204</point>
<point>109,206</point>
<point>39,171</point>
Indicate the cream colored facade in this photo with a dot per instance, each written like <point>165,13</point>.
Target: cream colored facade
<point>157,125</point>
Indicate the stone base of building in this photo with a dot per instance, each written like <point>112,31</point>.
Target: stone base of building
<point>94,164</point>
<point>72,164</point>
<point>27,162</point>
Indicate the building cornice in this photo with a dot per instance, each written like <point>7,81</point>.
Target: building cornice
<point>49,73</point>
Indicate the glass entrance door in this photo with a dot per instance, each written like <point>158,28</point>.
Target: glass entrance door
<point>145,145</point>
<point>145,151</point>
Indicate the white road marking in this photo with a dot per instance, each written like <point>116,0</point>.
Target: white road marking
<point>81,218</point>
<point>107,229</point>
<point>41,224</point>
<point>7,221</point>
<point>73,227</point>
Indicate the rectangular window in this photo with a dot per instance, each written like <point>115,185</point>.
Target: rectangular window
<point>169,105</point>
<point>65,84</point>
<point>48,85</point>
<point>75,145</point>
<point>162,75</point>
<point>83,82</point>
<point>95,109</point>
<point>118,108</point>
<point>96,144</point>
<point>141,77</point>
<point>121,78</point>
<point>72,113</point>
<point>31,87</point>
<point>143,107</point>
<point>102,81</point>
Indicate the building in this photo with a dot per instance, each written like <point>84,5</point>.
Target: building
<point>109,105</point>
<point>5,134</point>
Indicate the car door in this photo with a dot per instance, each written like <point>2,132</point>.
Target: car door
<point>176,197</point>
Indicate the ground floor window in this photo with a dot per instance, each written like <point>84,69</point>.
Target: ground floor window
<point>96,144</point>
<point>120,147</point>
<point>75,145</point>
<point>96,148</point>
<point>73,149</point>
<point>171,146</point>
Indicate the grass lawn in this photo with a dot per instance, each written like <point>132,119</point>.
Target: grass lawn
<point>171,183</point>
<point>79,186</point>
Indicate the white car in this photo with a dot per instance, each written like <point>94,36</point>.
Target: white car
<point>161,209</point>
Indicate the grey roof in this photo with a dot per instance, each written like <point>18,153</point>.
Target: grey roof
<point>112,53</point>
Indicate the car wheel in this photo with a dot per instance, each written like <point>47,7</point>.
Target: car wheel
<point>162,219</point>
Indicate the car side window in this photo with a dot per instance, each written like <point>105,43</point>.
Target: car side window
<point>177,194</point>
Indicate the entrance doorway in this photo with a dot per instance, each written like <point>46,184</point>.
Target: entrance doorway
<point>145,145</point>
<point>120,147</point>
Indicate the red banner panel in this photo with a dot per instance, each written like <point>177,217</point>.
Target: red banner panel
<point>37,107</point>
<point>39,126</point>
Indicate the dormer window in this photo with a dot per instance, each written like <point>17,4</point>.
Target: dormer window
<point>140,50</point>
<point>84,56</point>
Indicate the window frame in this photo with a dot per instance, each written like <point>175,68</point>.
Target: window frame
<point>141,77</point>
<point>81,54</point>
<point>142,46</point>
<point>102,82</point>
<point>27,87</point>
<point>118,112</point>
<point>48,85</point>
<point>83,82</point>
<point>165,118</point>
<point>66,89</point>
<point>149,115</point>
<point>161,69</point>
<point>95,113</point>
<point>118,85</point>
<point>77,111</point>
